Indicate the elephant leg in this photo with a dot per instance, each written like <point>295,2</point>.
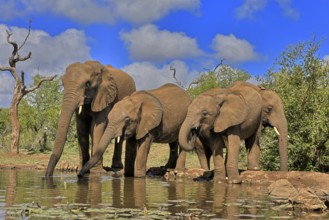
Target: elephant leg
<point>143,148</point>
<point>116,159</point>
<point>204,152</point>
<point>232,159</point>
<point>253,152</point>
<point>219,165</point>
<point>96,134</point>
<point>180,163</point>
<point>130,156</point>
<point>173,155</point>
<point>83,128</point>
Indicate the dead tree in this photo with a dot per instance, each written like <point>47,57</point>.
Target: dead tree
<point>20,90</point>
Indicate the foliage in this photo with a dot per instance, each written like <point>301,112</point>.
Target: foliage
<point>300,77</point>
<point>222,76</point>
<point>39,113</point>
<point>4,128</point>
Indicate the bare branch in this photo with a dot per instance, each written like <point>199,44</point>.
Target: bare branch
<point>15,57</point>
<point>27,36</point>
<point>49,78</point>
<point>22,78</point>
<point>12,62</point>
<point>6,68</point>
<point>174,75</point>
<point>19,58</point>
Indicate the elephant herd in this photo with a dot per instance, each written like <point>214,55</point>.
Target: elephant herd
<point>107,106</point>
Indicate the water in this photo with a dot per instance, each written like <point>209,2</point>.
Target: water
<point>25,194</point>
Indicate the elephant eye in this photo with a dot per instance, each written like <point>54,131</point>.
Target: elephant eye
<point>88,84</point>
<point>204,113</point>
<point>269,109</point>
<point>127,120</point>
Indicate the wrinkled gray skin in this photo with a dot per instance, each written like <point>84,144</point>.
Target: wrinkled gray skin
<point>95,88</point>
<point>142,118</point>
<point>222,118</point>
<point>273,116</point>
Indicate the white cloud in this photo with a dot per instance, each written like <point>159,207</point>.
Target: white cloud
<point>288,10</point>
<point>50,54</point>
<point>144,11</point>
<point>249,7</point>
<point>326,57</point>
<point>6,89</point>
<point>148,76</point>
<point>232,49</point>
<point>148,43</point>
<point>94,11</point>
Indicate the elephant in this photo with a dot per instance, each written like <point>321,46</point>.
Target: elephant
<point>90,90</point>
<point>273,116</point>
<point>222,117</point>
<point>144,117</point>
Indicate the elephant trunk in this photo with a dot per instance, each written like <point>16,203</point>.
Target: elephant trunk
<point>185,140</point>
<point>108,135</point>
<point>69,104</point>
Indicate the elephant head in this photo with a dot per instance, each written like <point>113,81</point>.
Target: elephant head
<point>213,111</point>
<point>273,115</point>
<point>86,86</point>
<point>132,117</point>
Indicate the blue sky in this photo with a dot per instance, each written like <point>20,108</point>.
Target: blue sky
<point>146,37</point>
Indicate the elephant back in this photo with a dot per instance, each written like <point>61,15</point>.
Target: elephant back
<point>175,102</point>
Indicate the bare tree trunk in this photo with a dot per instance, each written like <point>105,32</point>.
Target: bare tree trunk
<point>20,89</point>
<point>13,115</point>
<point>15,128</point>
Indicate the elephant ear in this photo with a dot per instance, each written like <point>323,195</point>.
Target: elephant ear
<point>151,115</point>
<point>106,91</point>
<point>233,111</point>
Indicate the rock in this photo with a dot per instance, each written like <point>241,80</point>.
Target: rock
<point>282,188</point>
<point>307,199</point>
<point>304,198</point>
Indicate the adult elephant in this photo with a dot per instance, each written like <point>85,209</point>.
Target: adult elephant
<point>90,90</point>
<point>142,118</point>
<point>223,117</point>
<point>273,116</point>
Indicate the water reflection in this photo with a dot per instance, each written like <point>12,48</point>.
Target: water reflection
<point>94,195</point>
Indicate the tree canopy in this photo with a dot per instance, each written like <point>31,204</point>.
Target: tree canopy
<point>301,78</point>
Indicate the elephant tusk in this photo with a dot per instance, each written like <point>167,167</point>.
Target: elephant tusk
<point>276,131</point>
<point>80,109</point>
<point>119,139</point>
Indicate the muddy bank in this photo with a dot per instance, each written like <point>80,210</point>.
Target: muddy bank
<point>292,190</point>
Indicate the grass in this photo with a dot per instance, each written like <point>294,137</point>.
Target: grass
<point>158,156</point>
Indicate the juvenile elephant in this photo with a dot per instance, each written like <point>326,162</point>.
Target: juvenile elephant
<point>272,115</point>
<point>223,117</point>
<point>90,90</point>
<point>142,118</point>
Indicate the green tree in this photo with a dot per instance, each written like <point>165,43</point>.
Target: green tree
<point>4,128</point>
<point>300,77</point>
<point>39,113</point>
<point>222,76</point>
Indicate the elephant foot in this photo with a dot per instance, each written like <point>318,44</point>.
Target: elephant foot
<point>139,173</point>
<point>98,170</point>
<point>156,171</point>
<point>117,166</point>
<point>235,180</point>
